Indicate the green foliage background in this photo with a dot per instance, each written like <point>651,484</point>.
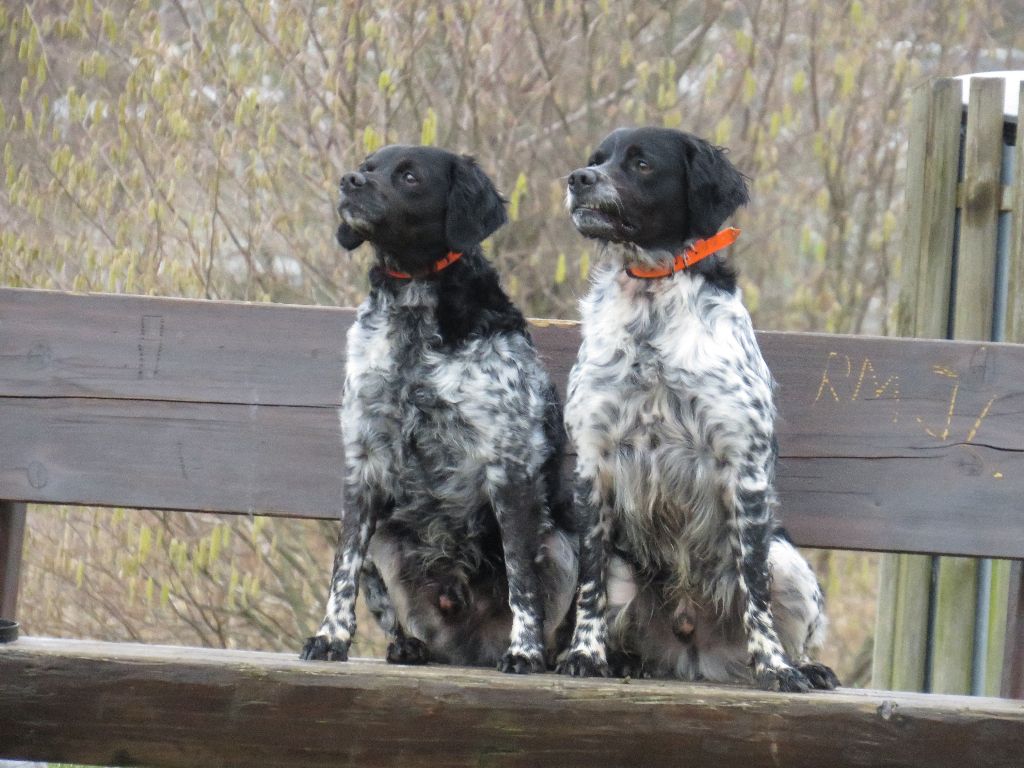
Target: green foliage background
<point>192,148</point>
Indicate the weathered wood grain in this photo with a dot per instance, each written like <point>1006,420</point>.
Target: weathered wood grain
<point>118,704</point>
<point>886,444</point>
<point>932,159</point>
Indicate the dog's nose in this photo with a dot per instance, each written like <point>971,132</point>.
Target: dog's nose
<point>352,180</point>
<point>582,177</point>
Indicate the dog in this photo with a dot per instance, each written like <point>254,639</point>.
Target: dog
<point>453,433</point>
<point>683,570</point>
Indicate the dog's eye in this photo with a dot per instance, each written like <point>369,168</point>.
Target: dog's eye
<point>642,165</point>
<point>409,178</point>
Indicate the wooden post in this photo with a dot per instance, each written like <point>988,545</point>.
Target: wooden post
<point>1013,654</point>
<point>1013,665</point>
<point>1015,273</point>
<point>955,599</point>
<point>12,536</point>
<point>976,265</point>
<point>943,297</point>
<point>932,162</point>
<point>997,626</point>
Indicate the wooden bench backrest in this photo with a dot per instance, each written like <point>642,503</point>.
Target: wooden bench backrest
<point>886,444</point>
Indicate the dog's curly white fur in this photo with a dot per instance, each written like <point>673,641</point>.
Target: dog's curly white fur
<point>670,410</point>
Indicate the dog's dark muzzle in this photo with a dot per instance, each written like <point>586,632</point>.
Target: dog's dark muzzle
<point>596,207</point>
<point>360,205</point>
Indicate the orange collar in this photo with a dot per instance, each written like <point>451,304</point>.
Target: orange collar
<point>437,266</point>
<point>694,253</point>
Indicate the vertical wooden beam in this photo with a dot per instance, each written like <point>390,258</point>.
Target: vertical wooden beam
<point>973,307</point>
<point>910,630</point>
<point>1015,270</point>
<point>1013,653</point>
<point>933,153</point>
<point>885,623</point>
<point>1013,665</point>
<point>979,217</point>
<point>953,642</point>
<point>932,162</point>
<point>997,625</point>
<point>12,536</point>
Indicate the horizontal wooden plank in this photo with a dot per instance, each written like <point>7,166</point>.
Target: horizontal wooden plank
<point>887,444</point>
<point>262,459</point>
<point>56,344</point>
<point>919,508</point>
<point>119,704</point>
<point>900,445</point>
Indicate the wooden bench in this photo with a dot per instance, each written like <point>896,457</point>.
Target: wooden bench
<point>891,445</point>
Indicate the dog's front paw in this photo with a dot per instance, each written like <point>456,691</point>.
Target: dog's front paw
<point>820,676</point>
<point>629,665</point>
<point>518,663</point>
<point>322,648</point>
<point>582,664</point>
<point>408,650</point>
<point>784,679</point>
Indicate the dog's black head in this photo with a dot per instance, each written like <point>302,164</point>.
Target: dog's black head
<point>417,203</point>
<point>656,188</point>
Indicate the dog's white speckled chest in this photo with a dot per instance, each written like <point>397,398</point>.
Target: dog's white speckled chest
<point>426,423</point>
<point>667,390</point>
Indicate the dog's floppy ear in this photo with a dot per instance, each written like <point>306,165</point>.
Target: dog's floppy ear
<point>715,188</point>
<point>475,209</point>
<point>348,237</point>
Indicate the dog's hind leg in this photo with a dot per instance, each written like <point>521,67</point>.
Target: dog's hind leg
<point>798,610</point>
<point>750,504</point>
<point>514,499</point>
<point>402,648</point>
<point>588,652</point>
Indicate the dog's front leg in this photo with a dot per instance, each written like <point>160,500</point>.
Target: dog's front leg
<point>513,497</point>
<point>358,521</point>
<point>588,653</point>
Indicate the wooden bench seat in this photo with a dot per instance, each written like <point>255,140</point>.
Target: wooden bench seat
<point>160,705</point>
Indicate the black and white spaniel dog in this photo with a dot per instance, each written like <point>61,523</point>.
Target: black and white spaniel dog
<point>452,430</point>
<point>683,570</point>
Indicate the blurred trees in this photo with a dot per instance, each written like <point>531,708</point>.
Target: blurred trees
<point>192,148</point>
